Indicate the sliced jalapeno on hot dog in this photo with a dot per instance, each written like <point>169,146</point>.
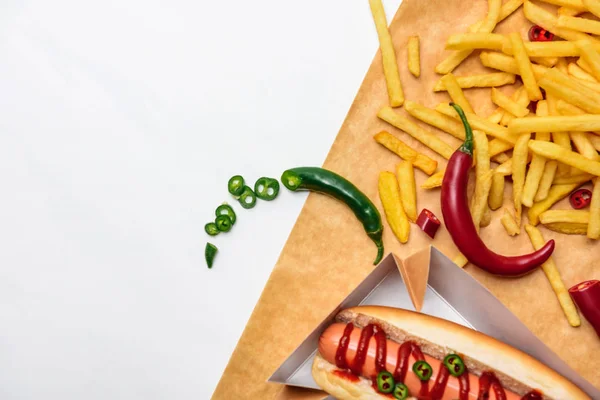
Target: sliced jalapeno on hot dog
<point>224,223</point>
<point>266,188</point>
<point>247,198</point>
<point>423,370</point>
<point>455,364</point>
<point>225,209</point>
<point>400,391</point>
<point>235,186</point>
<point>385,382</point>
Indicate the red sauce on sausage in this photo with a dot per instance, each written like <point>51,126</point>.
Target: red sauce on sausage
<point>487,381</point>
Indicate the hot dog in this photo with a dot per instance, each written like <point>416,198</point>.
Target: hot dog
<point>369,348</point>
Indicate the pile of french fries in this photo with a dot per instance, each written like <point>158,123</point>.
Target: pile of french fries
<point>545,136</point>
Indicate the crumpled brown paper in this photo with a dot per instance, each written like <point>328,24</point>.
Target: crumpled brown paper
<point>328,253</point>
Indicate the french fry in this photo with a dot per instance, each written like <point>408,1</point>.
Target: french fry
<point>408,189</point>
<point>483,177</point>
<point>560,138</point>
<point>575,84</point>
<point>592,6</point>
<point>405,152</point>
<point>493,79</point>
<point>496,116</point>
<point>520,97</point>
<point>471,41</point>
<point>595,86</point>
<point>584,146</point>
<point>551,272</point>
<point>427,138</point>
<point>487,217</point>
<point>584,65</point>
<point>574,4</point>
<point>548,62</point>
<point>538,163</point>
<point>455,92</point>
<point>479,123</point>
<point>436,119</point>
<point>579,73</point>
<point>505,168</point>
<point>388,55</point>
<point>509,223</point>
<point>525,68</point>
<point>414,57</point>
<point>496,197</point>
<point>564,108</point>
<point>568,11</point>
<point>519,166</point>
<point>498,146</point>
<point>555,152</point>
<point>506,10</point>
<point>551,50</point>
<point>486,26</point>
<point>502,100</point>
<point>501,158</point>
<point>556,194</point>
<point>577,178</point>
<point>579,24</point>
<point>568,93</point>
<point>507,64</point>
<point>593,231</point>
<point>569,222</point>
<point>434,180</point>
<point>590,56</point>
<point>460,260</point>
<point>546,181</point>
<point>389,193</point>
<point>594,140</point>
<point>579,123</point>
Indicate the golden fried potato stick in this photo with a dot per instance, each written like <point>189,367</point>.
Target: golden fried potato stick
<point>569,222</point>
<point>434,181</point>
<point>436,119</point>
<point>590,56</point>
<point>579,123</point>
<point>502,100</point>
<point>575,84</point>
<point>594,140</point>
<point>483,177</point>
<point>556,194</point>
<point>519,167</point>
<point>498,146</point>
<point>538,163</point>
<point>555,152</point>
<point>408,189</point>
<point>556,282</point>
<point>496,116</point>
<point>414,56</point>
<point>506,10</point>
<point>584,65</point>
<point>501,158</point>
<point>592,6</point>
<point>548,62</point>
<point>505,168</point>
<point>524,66</point>
<point>389,193</point>
<point>577,72</point>
<point>560,91</point>
<point>405,152</point>
<point>560,138</point>
<point>593,231</point>
<point>487,26</point>
<point>496,197</point>
<point>505,63</point>
<point>487,217</point>
<point>388,55</point>
<point>579,24</point>
<point>577,178</point>
<point>509,223</point>
<point>546,181</point>
<point>493,79</point>
<point>455,92</point>
<point>460,260</point>
<point>472,41</point>
<point>568,12</point>
<point>574,4</point>
<point>551,50</point>
<point>520,97</point>
<point>584,146</point>
<point>427,138</point>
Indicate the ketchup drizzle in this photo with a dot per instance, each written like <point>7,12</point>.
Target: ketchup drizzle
<point>487,380</point>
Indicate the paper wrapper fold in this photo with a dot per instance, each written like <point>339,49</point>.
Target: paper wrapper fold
<point>328,253</point>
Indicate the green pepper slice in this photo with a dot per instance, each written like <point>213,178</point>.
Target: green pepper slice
<point>385,382</point>
<point>266,188</point>
<point>455,364</point>
<point>209,254</point>
<point>223,223</point>
<point>247,198</point>
<point>235,186</point>
<point>211,229</point>
<point>225,209</point>
<point>423,370</point>
<point>400,391</point>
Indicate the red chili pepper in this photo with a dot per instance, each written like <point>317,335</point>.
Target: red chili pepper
<point>428,222</point>
<point>587,297</point>
<point>539,34</point>
<point>580,198</point>
<point>458,220</point>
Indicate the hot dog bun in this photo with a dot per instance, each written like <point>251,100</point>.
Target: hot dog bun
<point>516,371</point>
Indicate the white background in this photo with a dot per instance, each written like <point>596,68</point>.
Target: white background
<point>120,124</point>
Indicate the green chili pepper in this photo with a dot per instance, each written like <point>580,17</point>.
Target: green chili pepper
<point>423,370</point>
<point>225,209</point>
<point>209,254</point>
<point>400,391</point>
<point>211,229</point>
<point>266,188</point>
<point>223,223</point>
<point>385,382</point>
<point>235,186</point>
<point>247,198</point>
<point>327,182</point>
<point>455,364</point>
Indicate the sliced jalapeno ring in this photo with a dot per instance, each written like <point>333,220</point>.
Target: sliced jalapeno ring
<point>235,186</point>
<point>266,188</point>
<point>455,364</point>
<point>423,370</point>
<point>400,391</point>
<point>225,209</point>
<point>223,223</point>
<point>247,198</point>
<point>211,229</point>
<point>385,382</point>
<point>209,254</point>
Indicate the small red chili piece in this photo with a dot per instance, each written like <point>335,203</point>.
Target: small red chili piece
<point>539,34</point>
<point>587,297</point>
<point>580,198</point>
<point>428,222</point>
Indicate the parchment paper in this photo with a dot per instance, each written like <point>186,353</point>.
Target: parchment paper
<point>328,253</point>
